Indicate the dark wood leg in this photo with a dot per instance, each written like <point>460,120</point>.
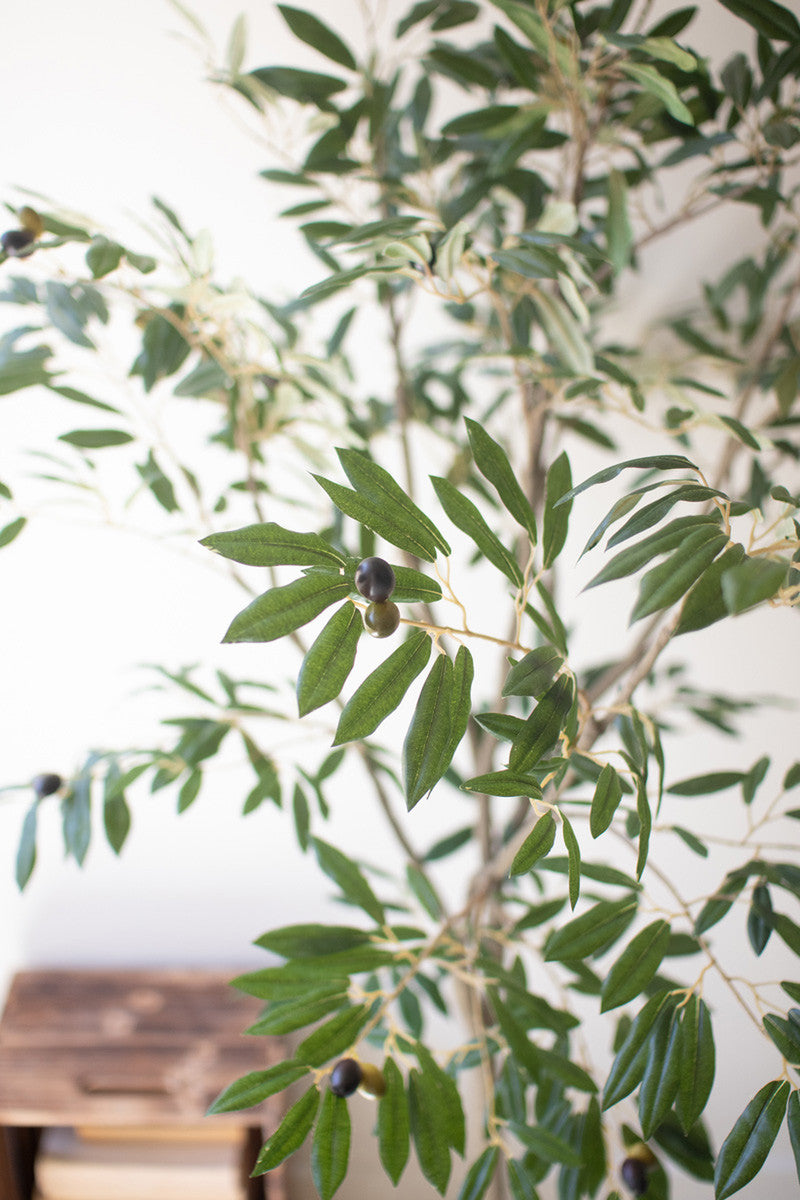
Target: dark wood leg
<point>258,1188</point>
<point>18,1147</point>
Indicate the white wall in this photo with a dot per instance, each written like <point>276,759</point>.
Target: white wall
<point>103,105</point>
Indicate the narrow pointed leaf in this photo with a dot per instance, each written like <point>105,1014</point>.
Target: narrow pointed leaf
<point>793,1122</point>
<point>661,1073</point>
<point>654,512</point>
<point>557,508</point>
<point>492,462</point>
<point>537,844</point>
<point>752,582</point>
<point>117,814</point>
<point>606,799</point>
<point>309,941</point>
<point>503,783</point>
<point>546,1145</point>
<point>293,980</point>
<point>333,1037</point>
<point>270,545</point>
<point>429,732</point>
<point>347,876</point>
<point>460,703</point>
<point>768,17</point>
<point>378,485</point>
<point>656,462</point>
<point>26,850</point>
<point>433,1151</point>
<point>411,585</point>
<point>383,689</point>
<point>705,603</point>
<point>520,1182</point>
<point>785,1035</point>
<point>309,29</point>
<point>534,673</point>
<point>632,558</point>
<point>664,585</point>
<point>574,860</point>
<point>467,517</point>
<point>645,825</point>
<point>480,1175</point>
<point>290,1134</point>
<point>617,511</point>
<point>705,785</point>
<point>543,727</point>
<point>306,87</point>
<point>698,1063</point>
<point>628,1067</point>
<point>330,1149</point>
<point>381,518</point>
<point>450,1109</point>
<point>636,966</point>
<point>96,439</point>
<point>329,660</point>
<point>719,904</point>
<point>746,1147</point>
<point>256,1086</point>
<point>619,233</point>
<point>12,530</point>
<point>286,1016</point>
<point>393,1123</point>
<point>592,932</point>
<point>284,609</point>
<point>662,88</point>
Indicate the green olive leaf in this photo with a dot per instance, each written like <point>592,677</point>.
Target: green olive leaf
<point>746,1147</point>
<point>290,1134</point>
<point>393,1123</point>
<point>636,966</point>
<point>428,737</point>
<point>383,689</point>
<point>256,1086</point>
<point>281,610</point>
<point>330,1148</point>
<point>329,660</point>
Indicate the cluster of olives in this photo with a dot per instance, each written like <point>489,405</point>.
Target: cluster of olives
<point>375,580</point>
<point>636,1168</point>
<point>17,243</point>
<point>350,1076</point>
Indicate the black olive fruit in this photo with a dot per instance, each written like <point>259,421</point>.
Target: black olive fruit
<point>634,1175</point>
<point>346,1077</point>
<point>375,579</point>
<point>17,242</point>
<point>372,1081</point>
<point>382,619</point>
<point>636,1168</point>
<point>45,785</point>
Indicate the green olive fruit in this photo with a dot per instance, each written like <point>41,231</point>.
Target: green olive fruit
<point>375,579</point>
<point>30,221</point>
<point>17,242</point>
<point>382,619</point>
<point>372,1081</point>
<point>346,1077</point>
<point>45,785</point>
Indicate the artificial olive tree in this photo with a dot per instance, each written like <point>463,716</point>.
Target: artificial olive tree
<point>480,184</point>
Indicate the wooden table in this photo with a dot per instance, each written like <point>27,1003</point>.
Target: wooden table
<point>122,1048</point>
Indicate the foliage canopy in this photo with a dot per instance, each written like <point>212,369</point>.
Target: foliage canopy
<point>485,182</point>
